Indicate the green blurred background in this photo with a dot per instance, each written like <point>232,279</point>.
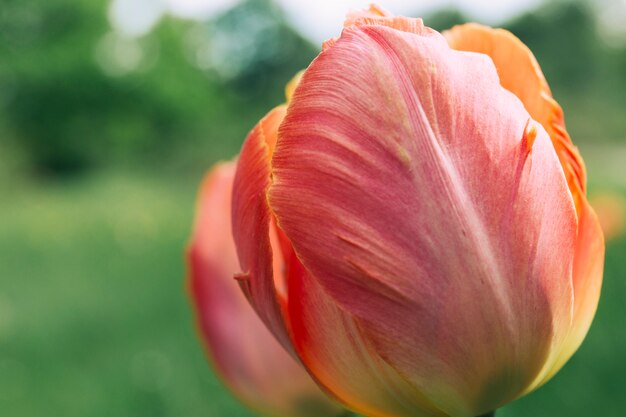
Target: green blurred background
<point>104,137</point>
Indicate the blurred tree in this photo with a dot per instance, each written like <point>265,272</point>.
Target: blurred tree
<point>251,44</point>
<point>563,37</point>
<point>74,94</point>
<point>445,18</point>
<point>583,71</point>
<point>65,112</point>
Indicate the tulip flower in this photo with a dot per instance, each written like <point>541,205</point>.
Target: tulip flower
<point>243,351</point>
<point>414,225</point>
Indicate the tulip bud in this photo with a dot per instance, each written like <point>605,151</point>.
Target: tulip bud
<point>244,353</point>
<point>436,252</point>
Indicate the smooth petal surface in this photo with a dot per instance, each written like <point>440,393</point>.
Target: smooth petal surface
<point>332,345</point>
<point>588,268</point>
<point>587,281</point>
<point>244,352</point>
<point>520,73</point>
<point>261,267</point>
<point>409,182</point>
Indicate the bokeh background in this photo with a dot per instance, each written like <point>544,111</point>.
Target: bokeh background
<point>111,111</point>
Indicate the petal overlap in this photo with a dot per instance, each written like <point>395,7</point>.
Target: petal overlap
<point>520,73</point>
<point>260,264</point>
<point>246,356</point>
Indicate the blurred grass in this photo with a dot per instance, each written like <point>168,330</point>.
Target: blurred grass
<point>93,315</point>
<point>94,320</point>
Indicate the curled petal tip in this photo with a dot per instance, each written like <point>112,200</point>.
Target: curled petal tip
<point>292,85</point>
<point>374,11</point>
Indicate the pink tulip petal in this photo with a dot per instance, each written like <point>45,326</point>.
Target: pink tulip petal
<point>245,354</point>
<point>587,279</point>
<point>588,267</point>
<point>261,267</point>
<point>408,182</point>
<point>330,344</point>
<point>520,74</point>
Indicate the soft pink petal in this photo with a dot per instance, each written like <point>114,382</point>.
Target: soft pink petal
<point>331,345</point>
<point>588,267</point>
<point>587,280</point>
<point>245,354</point>
<point>520,73</point>
<point>251,225</point>
<point>427,203</point>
